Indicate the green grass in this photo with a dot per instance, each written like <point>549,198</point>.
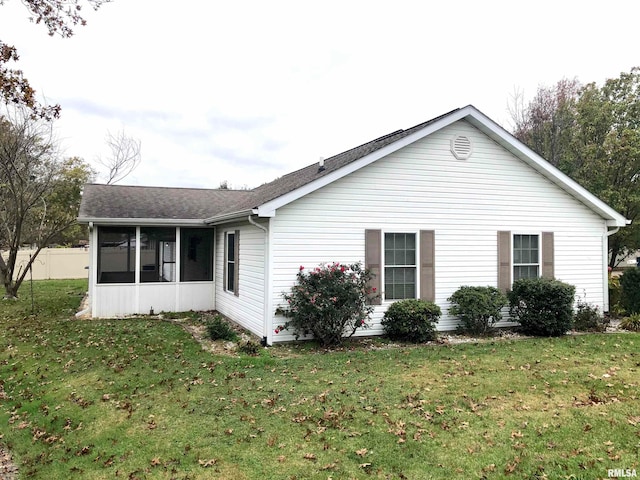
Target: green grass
<point>139,399</point>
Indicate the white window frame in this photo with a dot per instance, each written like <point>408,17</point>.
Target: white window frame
<point>229,278</point>
<point>416,236</point>
<point>513,249</point>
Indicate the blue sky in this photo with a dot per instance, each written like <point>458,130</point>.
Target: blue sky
<point>248,91</point>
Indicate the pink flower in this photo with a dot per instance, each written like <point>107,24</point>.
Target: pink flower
<point>342,268</point>
<point>374,289</point>
<point>301,267</point>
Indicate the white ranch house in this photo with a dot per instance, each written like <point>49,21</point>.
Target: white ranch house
<point>453,201</point>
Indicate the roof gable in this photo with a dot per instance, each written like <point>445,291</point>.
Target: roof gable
<point>310,179</point>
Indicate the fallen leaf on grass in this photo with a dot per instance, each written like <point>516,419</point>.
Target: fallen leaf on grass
<point>309,456</point>
<point>362,452</point>
<point>156,461</point>
<point>207,463</point>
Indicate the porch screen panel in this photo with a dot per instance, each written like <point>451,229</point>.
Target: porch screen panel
<point>116,254</point>
<point>157,254</point>
<point>196,254</point>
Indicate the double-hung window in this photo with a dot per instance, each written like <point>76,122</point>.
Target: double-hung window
<point>231,260</point>
<point>400,279</point>
<point>526,256</point>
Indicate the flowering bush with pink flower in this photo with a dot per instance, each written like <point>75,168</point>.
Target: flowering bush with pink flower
<point>330,302</point>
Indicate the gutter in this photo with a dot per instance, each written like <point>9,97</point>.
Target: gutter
<point>173,222</point>
<point>266,302</point>
<point>228,217</point>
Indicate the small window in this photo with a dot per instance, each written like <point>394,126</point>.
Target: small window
<point>526,256</point>
<point>399,266</point>
<point>116,254</point>
<point>231,261</point>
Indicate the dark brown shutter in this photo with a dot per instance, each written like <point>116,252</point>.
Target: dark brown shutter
<point>547,255</point>
<point>427,266</point>
<point>504,261</point>
<point>236,261</point>
<point>373,260</point>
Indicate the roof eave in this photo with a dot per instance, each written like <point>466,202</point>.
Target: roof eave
<point>178,222</point>
<point>228,217</point>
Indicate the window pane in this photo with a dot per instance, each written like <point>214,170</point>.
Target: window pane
<point>517,256</point>
<point>230,276</point>
<point>231,246</point>
<point>528,271</point>
<point>116,254</point>
<point>196,254</point>
<point>410,258</point>
<point>400,283</point>
<point>157,254</point>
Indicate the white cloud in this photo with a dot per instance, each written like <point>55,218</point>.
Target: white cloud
<point>247,91</point>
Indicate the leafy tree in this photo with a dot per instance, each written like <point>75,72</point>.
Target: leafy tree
<point>547,123</point>
<point>609,140</point>
<point>39,193</point>
<point>59,17</point>
<point>592,134</point>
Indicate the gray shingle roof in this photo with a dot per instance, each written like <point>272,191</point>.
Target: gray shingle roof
<point>118,201</point>
<point>130,202</point>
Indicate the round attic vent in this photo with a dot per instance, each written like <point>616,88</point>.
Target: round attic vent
<point>461,147</point>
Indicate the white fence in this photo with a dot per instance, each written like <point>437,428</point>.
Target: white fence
<point>55,263</point>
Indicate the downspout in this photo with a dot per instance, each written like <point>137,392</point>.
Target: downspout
<point>266,279</point>
<point>605,254</point>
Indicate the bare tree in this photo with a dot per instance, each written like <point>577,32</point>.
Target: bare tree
<point>39,192</point>
<point>124,158</point>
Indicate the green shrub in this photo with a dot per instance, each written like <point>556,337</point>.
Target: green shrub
<point>478,308</point>
<point>588,318</point>
<point>219,329</point>
<point>543,306</point>
<point>411,320</point>
<point>630,296</point>
<point>631,323</point>
<point>330,302</point>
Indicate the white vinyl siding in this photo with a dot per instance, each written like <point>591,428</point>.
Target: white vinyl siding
<point>246,308</point>
<point>465,203</point>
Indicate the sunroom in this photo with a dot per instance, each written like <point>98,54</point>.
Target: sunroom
<point>150,269</point>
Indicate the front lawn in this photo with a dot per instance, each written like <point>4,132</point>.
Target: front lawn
<point>139,398</point>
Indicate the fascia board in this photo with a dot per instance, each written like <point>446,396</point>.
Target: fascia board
<point>169,222</point>
<point>508,141</point>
